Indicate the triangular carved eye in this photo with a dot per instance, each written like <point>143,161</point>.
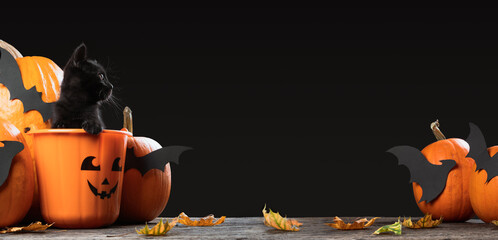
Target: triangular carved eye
<point>115,165</point>
<point>88,165</point>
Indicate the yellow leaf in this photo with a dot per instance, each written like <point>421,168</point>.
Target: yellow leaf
<point>425,222</point>
<point>495,222</point>
<point>358,224</point>
<point>203,222</point>
<point>158,230</point>
<point>275,220</point>
<point>395,228</point>
<point>33,227</point>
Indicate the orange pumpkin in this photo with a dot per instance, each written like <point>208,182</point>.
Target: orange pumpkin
<point>46,76</point>
<point>484,195</point>
<point>43,74</point>
<point>144,197</point>
<point>453,204</point>
<point>39,72</point>
<point>16,193</point>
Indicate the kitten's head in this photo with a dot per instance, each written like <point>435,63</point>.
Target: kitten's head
<point>85,78</point>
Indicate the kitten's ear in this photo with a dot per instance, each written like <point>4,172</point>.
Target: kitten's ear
<point>79,54</point>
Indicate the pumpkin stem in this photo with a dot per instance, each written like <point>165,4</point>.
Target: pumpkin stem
<point>435,129</point>
<point>128,120</point>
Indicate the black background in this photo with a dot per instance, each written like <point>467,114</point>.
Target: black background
<point>238,86</point>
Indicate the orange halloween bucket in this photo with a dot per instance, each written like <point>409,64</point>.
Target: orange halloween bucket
<point>80,176</point>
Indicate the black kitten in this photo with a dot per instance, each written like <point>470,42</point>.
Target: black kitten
<point>84,87</point>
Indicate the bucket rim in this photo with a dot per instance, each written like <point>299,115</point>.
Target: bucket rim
<point>76,131</point>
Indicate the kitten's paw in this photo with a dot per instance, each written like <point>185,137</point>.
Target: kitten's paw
<point>92,127</point>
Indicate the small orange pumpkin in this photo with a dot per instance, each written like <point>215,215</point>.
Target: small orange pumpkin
<point>144,197</point>
<point>453,204</point>
<point>16,193</point>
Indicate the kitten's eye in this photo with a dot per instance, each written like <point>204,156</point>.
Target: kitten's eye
<point>101,76</point>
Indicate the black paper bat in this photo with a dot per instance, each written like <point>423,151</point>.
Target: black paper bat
<point>432,178</point>
<point>10,76</point>
<point>479,152</point>
<point>7,153</point>
<point>154,160</point>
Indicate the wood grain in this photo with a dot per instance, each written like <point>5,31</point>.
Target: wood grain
<point>253,228</point>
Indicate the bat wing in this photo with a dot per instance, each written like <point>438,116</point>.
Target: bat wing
<point>479,152</point>
<point>10,76</point>
<point>154,160</point>
<point>432,178</point>
<point>32,100</point>
<point>491,168</point>
<point>7,153</point>
<point>478,147</point>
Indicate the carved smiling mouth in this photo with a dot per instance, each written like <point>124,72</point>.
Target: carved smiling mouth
<point>102,194</point>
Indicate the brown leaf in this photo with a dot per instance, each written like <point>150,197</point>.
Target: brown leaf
<point>33,227</point>
<point>358,224</point>
<point>275,220</point>
<point>425,222</point>
<point>203,222</point>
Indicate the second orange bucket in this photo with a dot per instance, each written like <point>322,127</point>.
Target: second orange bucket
<point>80,176</point>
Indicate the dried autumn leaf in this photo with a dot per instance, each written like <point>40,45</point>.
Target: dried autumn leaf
<point>203,222</point>
<point>358,224</point>
<point>394,228</point>
<point>425,222</point>
<point>495,222</point>
<point>275,220</point>
<point>159,230</point>
<point>33,227</point>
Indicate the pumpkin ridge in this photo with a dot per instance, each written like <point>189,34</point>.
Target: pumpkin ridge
<point>459,170</point>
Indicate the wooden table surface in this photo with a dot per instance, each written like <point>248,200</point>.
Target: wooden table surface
<point>253,228</point>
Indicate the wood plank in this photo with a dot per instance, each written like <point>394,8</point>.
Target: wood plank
<point>253,228</point>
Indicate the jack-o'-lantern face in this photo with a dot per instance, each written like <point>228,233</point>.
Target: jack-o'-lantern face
<point>109,185</point>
